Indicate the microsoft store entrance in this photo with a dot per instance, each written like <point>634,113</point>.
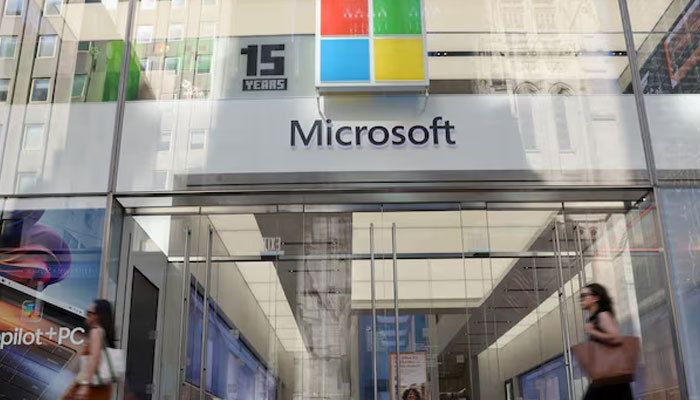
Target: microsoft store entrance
<point>330,301</point>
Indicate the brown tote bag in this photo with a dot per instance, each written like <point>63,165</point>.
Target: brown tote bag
<point>94,392</point>
<point>607,364</point>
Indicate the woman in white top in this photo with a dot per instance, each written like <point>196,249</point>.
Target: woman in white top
<point>101,335</point>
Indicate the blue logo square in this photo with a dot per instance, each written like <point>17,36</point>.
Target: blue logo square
<point>345,60</point>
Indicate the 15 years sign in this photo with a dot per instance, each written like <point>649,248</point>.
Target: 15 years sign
<point>265,66</point>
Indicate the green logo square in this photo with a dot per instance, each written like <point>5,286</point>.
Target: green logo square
<point>397,17</point>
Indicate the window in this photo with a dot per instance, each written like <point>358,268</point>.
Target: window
<point>40,90</point>
<point>561,122</point>
<point>197,138</point>
<point>178,3</point>
<point>166,138</point>
<point>84,45</point>
<point>14,7</point>
<point>144,34</point>
<point>53,7</point>
<point>47,46</point>
<point>203,64</point>
<point>4,89</point>
<point>172,63</point>
<point>207,30</point>
<point>176,32</point>
<point>526,120</point>
<point>145,64</point>
<point>148,4</point>
<point>26,182</point>
<point>8,46</point>
<point>79,82</point>
<point>33,137</point>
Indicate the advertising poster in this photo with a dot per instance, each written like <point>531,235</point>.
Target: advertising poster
<point>414,376</point>
<point>49,275</point>
<point>413,338</point>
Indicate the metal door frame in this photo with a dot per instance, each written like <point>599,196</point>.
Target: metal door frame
<point>122,312</point>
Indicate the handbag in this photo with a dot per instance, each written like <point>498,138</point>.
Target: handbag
<point>93,392</point>
<point>111,368</point>
<point>607,364</point>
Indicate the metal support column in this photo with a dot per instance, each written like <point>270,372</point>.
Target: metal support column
<point>184,315</point>
<point>374,311</point>
<point>563,311</point>
<point>205,318</point>
<point>396,312</point>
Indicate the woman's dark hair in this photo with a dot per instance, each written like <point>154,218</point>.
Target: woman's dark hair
<point>409,391</point>
<point>604,301</point>
<point>103,312</point>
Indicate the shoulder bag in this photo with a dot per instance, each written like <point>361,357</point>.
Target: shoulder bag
<point>111,367</point>
<point>607,364</point>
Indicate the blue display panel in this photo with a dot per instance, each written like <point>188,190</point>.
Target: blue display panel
<point>234,371</point>
<point>545,382</point>
<point>412,338</point>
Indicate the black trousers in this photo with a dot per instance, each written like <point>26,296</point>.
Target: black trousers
<point>621,391</point>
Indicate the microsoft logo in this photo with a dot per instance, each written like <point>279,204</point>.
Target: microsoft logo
<point>370,44</point>
<point>31,311</point>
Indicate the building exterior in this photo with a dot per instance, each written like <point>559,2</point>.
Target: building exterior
<point>348,199</point>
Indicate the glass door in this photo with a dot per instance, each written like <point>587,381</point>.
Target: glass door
<point>434,285</point>
<point>287,320</point>
<point>459,301</point>
<point>516,329</point>
<point>616,245</point>
<point>163,271</point>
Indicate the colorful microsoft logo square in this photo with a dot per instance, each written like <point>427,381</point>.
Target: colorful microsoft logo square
<point>31,311</point>
<point>370,43</point>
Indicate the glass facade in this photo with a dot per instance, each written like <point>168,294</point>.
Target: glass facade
<point>316,199</point>
<point>667,43</point>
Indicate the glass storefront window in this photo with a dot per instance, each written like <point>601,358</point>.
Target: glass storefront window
<point>51,251</point>
<point>61,68</point>
<point>681,216</point>
<point>667,37</point>
<point>531,83</point>
<point>297,301</point>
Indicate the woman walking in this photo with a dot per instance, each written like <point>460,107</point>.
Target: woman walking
<point>88,385</point>
<point>602,327</point>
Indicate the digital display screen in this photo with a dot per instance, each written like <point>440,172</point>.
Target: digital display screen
<point>233,370</point>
